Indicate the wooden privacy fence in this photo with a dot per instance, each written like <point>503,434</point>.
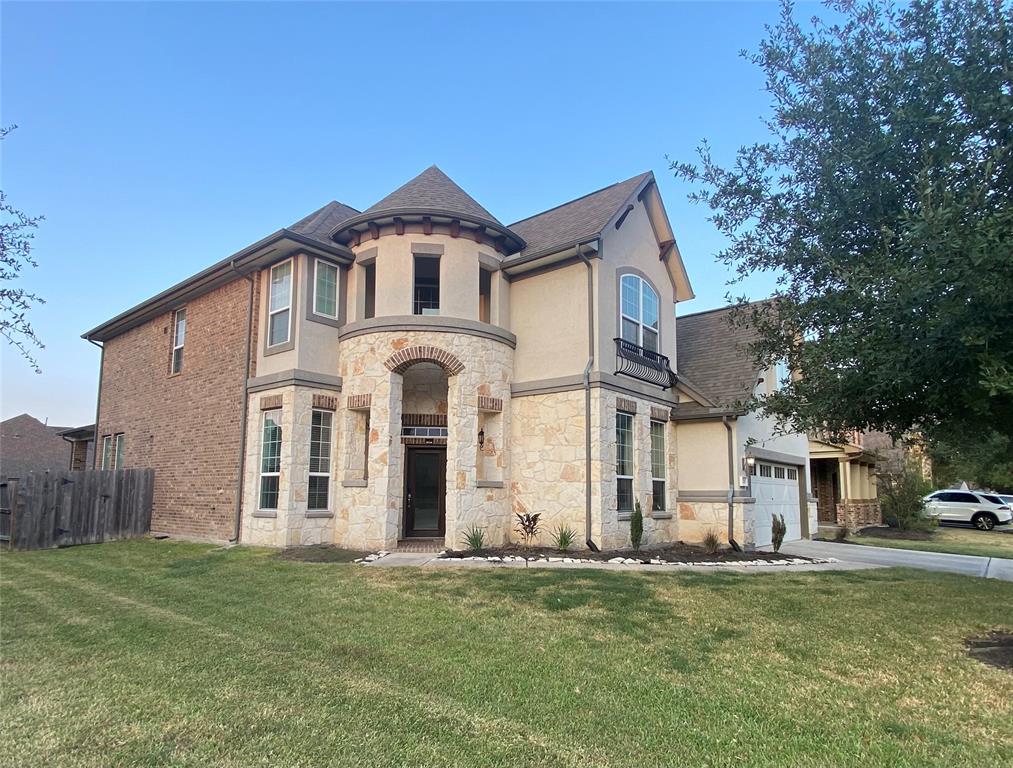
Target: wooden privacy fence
<point>61,509</point>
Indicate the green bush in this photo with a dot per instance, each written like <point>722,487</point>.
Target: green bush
<point>777,531</point>
<point>900,499</point>
<point>474,538</point>
<point>563,538</point>
<point>636,527</point>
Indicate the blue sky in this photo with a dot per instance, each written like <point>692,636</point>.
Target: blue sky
<point>158,138</point>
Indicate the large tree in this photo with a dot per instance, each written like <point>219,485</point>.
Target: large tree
<point>16,234</point>
<point>883,202</point>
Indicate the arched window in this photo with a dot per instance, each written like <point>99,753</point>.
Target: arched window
<point>638,313</point>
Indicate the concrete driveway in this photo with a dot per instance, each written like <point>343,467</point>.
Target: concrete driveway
<point>967,565</point>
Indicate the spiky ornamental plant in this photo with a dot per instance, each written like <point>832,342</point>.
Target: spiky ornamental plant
<point>777,530</point>
<point>528,526</point>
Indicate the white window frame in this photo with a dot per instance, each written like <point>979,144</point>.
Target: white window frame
<point>274,414</point>
<point>330,458</point>
<point>112,450</point>
<point>177,344</point>
<point>288,307</point>
<point>642,285</point>
<point>655,479</point>
<point>632,461</point>
<point>337,281</point>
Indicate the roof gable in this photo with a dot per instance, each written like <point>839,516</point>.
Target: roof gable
<point>576,220</point>
<point>432,189</point>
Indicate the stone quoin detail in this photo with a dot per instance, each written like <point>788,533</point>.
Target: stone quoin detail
<point>404,359</point>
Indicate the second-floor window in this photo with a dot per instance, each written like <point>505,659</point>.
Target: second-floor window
<point>279,320</point>
<point>325,289</point>
<point>426,294</point>
<point>178,337</point>
<point>638,312</point>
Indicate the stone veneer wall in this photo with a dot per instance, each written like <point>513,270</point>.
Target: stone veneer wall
<point>697,518</point>
<point>859,513</point>
<point>372,516</point>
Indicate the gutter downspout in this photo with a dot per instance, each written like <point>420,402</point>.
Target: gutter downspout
<point>587,397</point>
<point>98,404</point>
<point>731,486</point>
<point>243,412</point>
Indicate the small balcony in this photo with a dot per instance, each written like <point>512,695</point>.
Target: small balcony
<point>643,364</point>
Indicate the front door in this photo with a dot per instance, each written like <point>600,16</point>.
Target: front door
<point>425,492</point>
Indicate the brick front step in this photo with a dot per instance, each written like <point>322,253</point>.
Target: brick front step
<point>420,545</point>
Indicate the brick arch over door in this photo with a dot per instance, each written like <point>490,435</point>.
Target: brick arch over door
<point>405,358</point>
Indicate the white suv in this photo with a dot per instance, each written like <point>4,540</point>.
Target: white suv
<point>968,507</point>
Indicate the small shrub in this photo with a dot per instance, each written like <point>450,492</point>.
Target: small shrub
<point>901,500</point>
<point>777,531</point>
<point>474,538</point>
<point>841,534</point>
<point>711,542</point>
<point>528,526</point>
<point>563,538</point>
<point>636,527</point>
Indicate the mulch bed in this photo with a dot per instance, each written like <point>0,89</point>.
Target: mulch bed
<point>879,532</point>
<point>671,553</point>
<point>320,553</point>
<point>994,649</point>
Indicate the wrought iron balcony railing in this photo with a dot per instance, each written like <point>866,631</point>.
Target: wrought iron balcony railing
<point>643,364</point>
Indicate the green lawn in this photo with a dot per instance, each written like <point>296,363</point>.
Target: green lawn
<point>174,654</point>
<point>957,541</point>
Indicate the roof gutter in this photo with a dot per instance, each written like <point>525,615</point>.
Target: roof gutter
<point>244,409</point>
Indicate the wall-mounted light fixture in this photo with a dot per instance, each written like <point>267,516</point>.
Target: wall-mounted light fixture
<point>481,438</point>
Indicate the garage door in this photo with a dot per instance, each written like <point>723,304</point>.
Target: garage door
<point>775,488</point>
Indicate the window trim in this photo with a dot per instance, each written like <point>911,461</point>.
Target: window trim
<point>623,512</point>
<point>663,478</point>
<point>175,342</point>
<point>274,413</point>
<point>113,442</point>
<point>338,319</point>
<point>330,459</point>
<point>439,282</point>
<point>289,343</point>
<point>620,315</point>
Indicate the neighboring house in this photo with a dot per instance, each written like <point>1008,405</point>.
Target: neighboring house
<point>82,446</point>
<point>419,368</point>
<point>894,456</point>
<point>722,444</point>
<point>29,445</point>
<point>844,476</point>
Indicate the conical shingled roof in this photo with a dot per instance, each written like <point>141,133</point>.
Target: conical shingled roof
<point>432,190</point>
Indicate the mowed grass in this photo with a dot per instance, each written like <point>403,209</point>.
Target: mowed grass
<point>174,654</point>
<point>956,541</point>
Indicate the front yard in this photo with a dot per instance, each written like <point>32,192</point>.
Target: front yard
<point>167,653</point>
<point>957,541</point>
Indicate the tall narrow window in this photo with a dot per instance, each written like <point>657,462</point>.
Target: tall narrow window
<point>624,462</point>
<point>280,305</point>
<point>270,460</point>
<point>369,273</point>
<point>112,451</point>
<point>178,337</point>
<point>325,289</point>
<point>484,295</point>
<point>658,465</point>
<point>427,286</point>
<point>320,461</point>
<point>638,313</point>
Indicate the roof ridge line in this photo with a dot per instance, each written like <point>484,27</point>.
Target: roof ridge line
<point>575,200</point>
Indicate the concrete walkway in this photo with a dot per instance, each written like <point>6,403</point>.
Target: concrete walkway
<point>884,557</point>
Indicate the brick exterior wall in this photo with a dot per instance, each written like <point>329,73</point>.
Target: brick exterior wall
<point>186,427</point>
<point>858,514</point>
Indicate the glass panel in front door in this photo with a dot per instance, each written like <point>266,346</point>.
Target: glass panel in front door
<point>427,491</point>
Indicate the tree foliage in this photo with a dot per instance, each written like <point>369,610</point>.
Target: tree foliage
<point>16,235</point>
<point>883,202</point>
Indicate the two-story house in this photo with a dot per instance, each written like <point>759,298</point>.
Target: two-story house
<point>418,368</point>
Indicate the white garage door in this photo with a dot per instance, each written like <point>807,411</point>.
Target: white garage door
<point>775,488</point>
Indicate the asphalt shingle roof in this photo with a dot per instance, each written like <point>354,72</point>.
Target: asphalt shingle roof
<point>714,354</point>
<point>318,225</point>
<point>432,189</point>
<point>576,220</point>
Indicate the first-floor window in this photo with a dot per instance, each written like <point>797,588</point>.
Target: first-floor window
<point>320,460</point>
<point>658,465</point>
<point>270,460</point>
<point>112,451</point>
<point>624,462</point>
